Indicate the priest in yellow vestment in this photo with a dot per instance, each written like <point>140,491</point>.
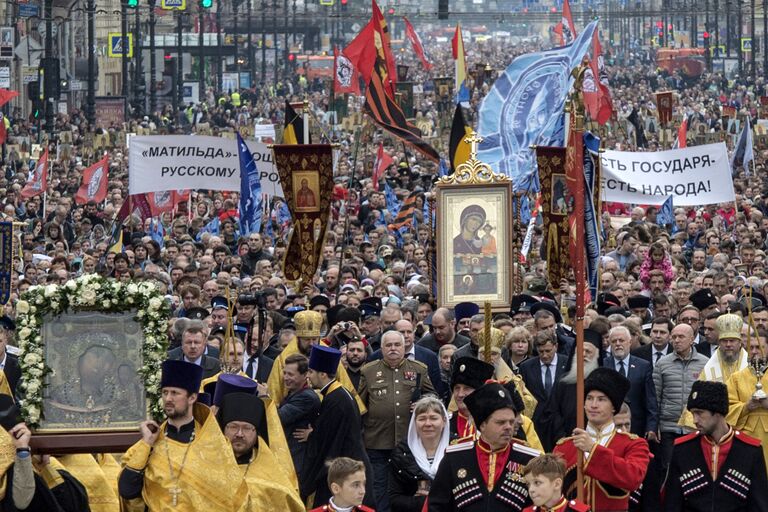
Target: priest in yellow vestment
<point>242,417</point>
<point>308,324</point>
<point>745,412</point>
<point>183,463</point>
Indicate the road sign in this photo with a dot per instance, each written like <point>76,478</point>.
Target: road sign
<point>746,44</point>
<point>170,5</point>
<point>29,52</point>
<point>5,77</point>
<point>6,43</point>
<point>29,10</point>
<point>76,85</point>
<point>117,46</point>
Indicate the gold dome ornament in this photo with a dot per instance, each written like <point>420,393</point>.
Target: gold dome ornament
<point>729,326</point>
<point>308,324</point>
<point>473,171</point>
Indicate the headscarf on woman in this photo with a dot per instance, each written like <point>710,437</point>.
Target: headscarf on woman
<point>417,448</point>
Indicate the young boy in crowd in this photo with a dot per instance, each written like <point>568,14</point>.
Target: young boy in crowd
<point>346,479</point>
<point>544,476</point>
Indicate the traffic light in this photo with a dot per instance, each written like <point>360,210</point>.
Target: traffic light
<point>391,11</point>
<point>206,4</point>
<point>344,4</point>
<point>133,3</point>
<point>442,9</point>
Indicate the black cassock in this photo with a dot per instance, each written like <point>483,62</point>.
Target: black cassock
<point>558,419</point>
<point>337,432</point>
<point>69,496</point>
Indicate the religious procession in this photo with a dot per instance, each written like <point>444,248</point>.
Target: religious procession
<point>416,257</point>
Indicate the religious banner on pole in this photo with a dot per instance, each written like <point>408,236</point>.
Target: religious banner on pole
<point>306,175</point>
<point>554,210</point>
<point>664,106</point>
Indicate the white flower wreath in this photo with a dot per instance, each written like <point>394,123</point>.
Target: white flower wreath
<point>90,292</point>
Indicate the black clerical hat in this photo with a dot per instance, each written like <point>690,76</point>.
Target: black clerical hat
<point>181,374</point>
<point>244,407</point>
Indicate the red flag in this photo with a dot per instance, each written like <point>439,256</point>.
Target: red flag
<point>361,52</point>
<point>6,96</point>
<point>597,97</point>
<point>160,202</point>
<point>566,29</point>
<point>95,182</point>
<point>682,134</point>
<point>574,176</point>
<point>416,43</point>
<point>38,179</point>
<point>383,161</point>
<point>345,77</point>
<point>385,60</point>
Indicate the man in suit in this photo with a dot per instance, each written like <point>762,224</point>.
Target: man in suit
<point>659,346</point>
<point>179,326</point>
<point>9,363</point>
<point>299,408</point>
<point>193,349</point>
<point>642,393</point>
<point>443,332</point>
<point>541,373</point>
<point>417,353</point>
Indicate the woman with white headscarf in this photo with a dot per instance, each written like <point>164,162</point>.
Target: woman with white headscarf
<point>414,461</point>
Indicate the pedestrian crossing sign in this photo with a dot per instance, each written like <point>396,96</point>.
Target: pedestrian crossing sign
<point>746,44</point>
<point>169,5</point>
<point>117,46</point>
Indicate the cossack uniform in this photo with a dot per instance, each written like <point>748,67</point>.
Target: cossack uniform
<point>611,472</point>
<point>473,476</point>
<point>727,475</point>
<point>565,505</point>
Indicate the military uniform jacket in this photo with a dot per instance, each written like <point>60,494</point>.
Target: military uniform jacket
<point>459,484</point>
<point>741,483</point>
<point>564,506</point>
<point>611,472</point>
<point>387,393</point>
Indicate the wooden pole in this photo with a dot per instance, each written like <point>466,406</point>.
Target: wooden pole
<point>487,313</point>
<point>575,160</point>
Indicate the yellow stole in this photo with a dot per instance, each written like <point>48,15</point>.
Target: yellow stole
<point>7,457</point>
<point>101,494</point>
<point>277,389</point>
<point>210,480</point>
<point>268,486</point>
<point>277,441</point>
<point>111,469</point>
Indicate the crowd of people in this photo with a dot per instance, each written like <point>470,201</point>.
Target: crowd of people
<point>359,389</point>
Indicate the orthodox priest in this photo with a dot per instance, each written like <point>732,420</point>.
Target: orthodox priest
<point>337,429</point>
<point>308,325</point>
<point>183,462</point>
<point>243,418</point>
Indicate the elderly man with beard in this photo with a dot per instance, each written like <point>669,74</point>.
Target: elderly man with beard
<point>730,357</point>
<point>558,418</point>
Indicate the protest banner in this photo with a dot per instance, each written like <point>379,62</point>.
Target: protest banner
<point>180,162</point>
<point>694,176</point>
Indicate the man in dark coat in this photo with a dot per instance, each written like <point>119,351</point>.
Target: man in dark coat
<point>717,467</point>
<point>299,408</point>
<point>337,430</point>
<point>484,475</point>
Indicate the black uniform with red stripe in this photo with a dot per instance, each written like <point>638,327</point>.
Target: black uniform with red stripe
<point>729,476</point>
<point>463,478</point>
<point>565,505</point>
